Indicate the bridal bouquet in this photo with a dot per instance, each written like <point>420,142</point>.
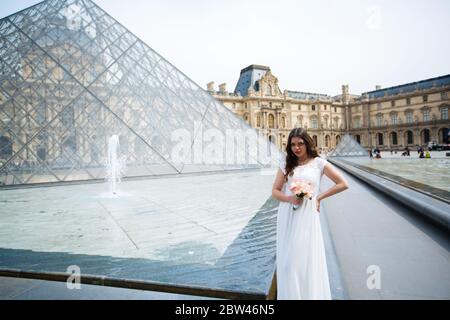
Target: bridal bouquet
<point>301,189</point>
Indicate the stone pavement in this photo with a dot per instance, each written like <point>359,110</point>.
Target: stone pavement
<point>370,229</point>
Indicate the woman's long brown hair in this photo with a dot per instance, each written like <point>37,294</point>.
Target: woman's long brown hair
<point>291,158</point>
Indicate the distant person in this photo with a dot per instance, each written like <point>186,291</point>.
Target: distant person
<point>370,153</point>
<point>419,150</point>
<point>428,155</point>
<point>421,154</point>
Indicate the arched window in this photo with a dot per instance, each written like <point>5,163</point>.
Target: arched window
<point>70,144</point>
<point>41,153</point>
<point>358,138</point>
<point>443,135</point>
<point>338,139</point>
<point>6,149</point>
<point>409,137</point>
<point>394,138</point>
<point>315,140</point>
<point>271,121</point>
<point>258,121</point>
<point>380,139</point>
<point>425,136</point>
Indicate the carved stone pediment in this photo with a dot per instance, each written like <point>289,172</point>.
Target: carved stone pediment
<point>268,85</point>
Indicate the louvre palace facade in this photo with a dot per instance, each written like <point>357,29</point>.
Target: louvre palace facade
<point>410,115</point>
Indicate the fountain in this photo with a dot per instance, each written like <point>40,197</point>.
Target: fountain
<point>114,165</point>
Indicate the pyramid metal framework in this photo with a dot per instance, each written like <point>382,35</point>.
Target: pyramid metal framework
<point>348,147</point>
<point>71,76</point>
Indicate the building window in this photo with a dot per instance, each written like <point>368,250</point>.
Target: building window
<point>258,121</point>
<point>393,103</point>
<point>271,121</point>
<point>378,106</point>
<point>444,113</point>
<point>444,96</point>
<point>425,98</point>
<point>394,138</point>
<point>313,108</point>
<point>409,117</point>
<point>408,101</point>
<point>409,137</point>
<point>426,115</point>
<point>6,147</point>
<point>299,108</point>
<point>358,122</point>
<point>283,122</point>
<point>335,109</point>
<point>314,123</point>
<point>246,105</point>
<point>394,119</point>
<point>379,120</point>
<point>325,108</point>
<point>380,139</point>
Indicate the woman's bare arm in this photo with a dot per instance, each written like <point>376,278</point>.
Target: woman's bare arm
<point>278,194</point>
<point>340,183</point>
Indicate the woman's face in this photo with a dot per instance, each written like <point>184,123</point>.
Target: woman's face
<point>298,147</point>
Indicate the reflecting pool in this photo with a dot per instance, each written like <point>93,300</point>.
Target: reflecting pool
<point>215,231</point>
<point>427,175</point>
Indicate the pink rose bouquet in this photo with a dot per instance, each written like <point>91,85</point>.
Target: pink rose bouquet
<point>301,189</point>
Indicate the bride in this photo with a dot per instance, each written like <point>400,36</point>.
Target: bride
<point>301,263</point>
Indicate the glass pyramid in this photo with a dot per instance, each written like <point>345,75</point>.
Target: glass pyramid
<point>71,77</point>
<point>348,147</point>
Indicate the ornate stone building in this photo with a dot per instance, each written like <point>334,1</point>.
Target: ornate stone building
<point>393,118</point>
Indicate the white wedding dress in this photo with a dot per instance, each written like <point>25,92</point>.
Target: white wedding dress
<point>301,262</point>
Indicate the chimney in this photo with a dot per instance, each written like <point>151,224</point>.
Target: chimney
<point>210,86</point>
<point>377,87</point>
<point>223,88</point>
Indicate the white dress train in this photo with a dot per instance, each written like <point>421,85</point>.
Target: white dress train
<point>301,262</point>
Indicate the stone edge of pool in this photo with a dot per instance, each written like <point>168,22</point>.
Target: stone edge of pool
<point>436,210</point>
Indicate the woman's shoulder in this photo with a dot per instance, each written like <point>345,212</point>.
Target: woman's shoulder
<point>321,162</point>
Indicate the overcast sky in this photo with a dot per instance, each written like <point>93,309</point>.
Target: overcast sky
<point>313,46</point>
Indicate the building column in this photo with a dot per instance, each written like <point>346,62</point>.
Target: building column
<point>277,124</point>
<point>263,119</point>
<point>401,138</point>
